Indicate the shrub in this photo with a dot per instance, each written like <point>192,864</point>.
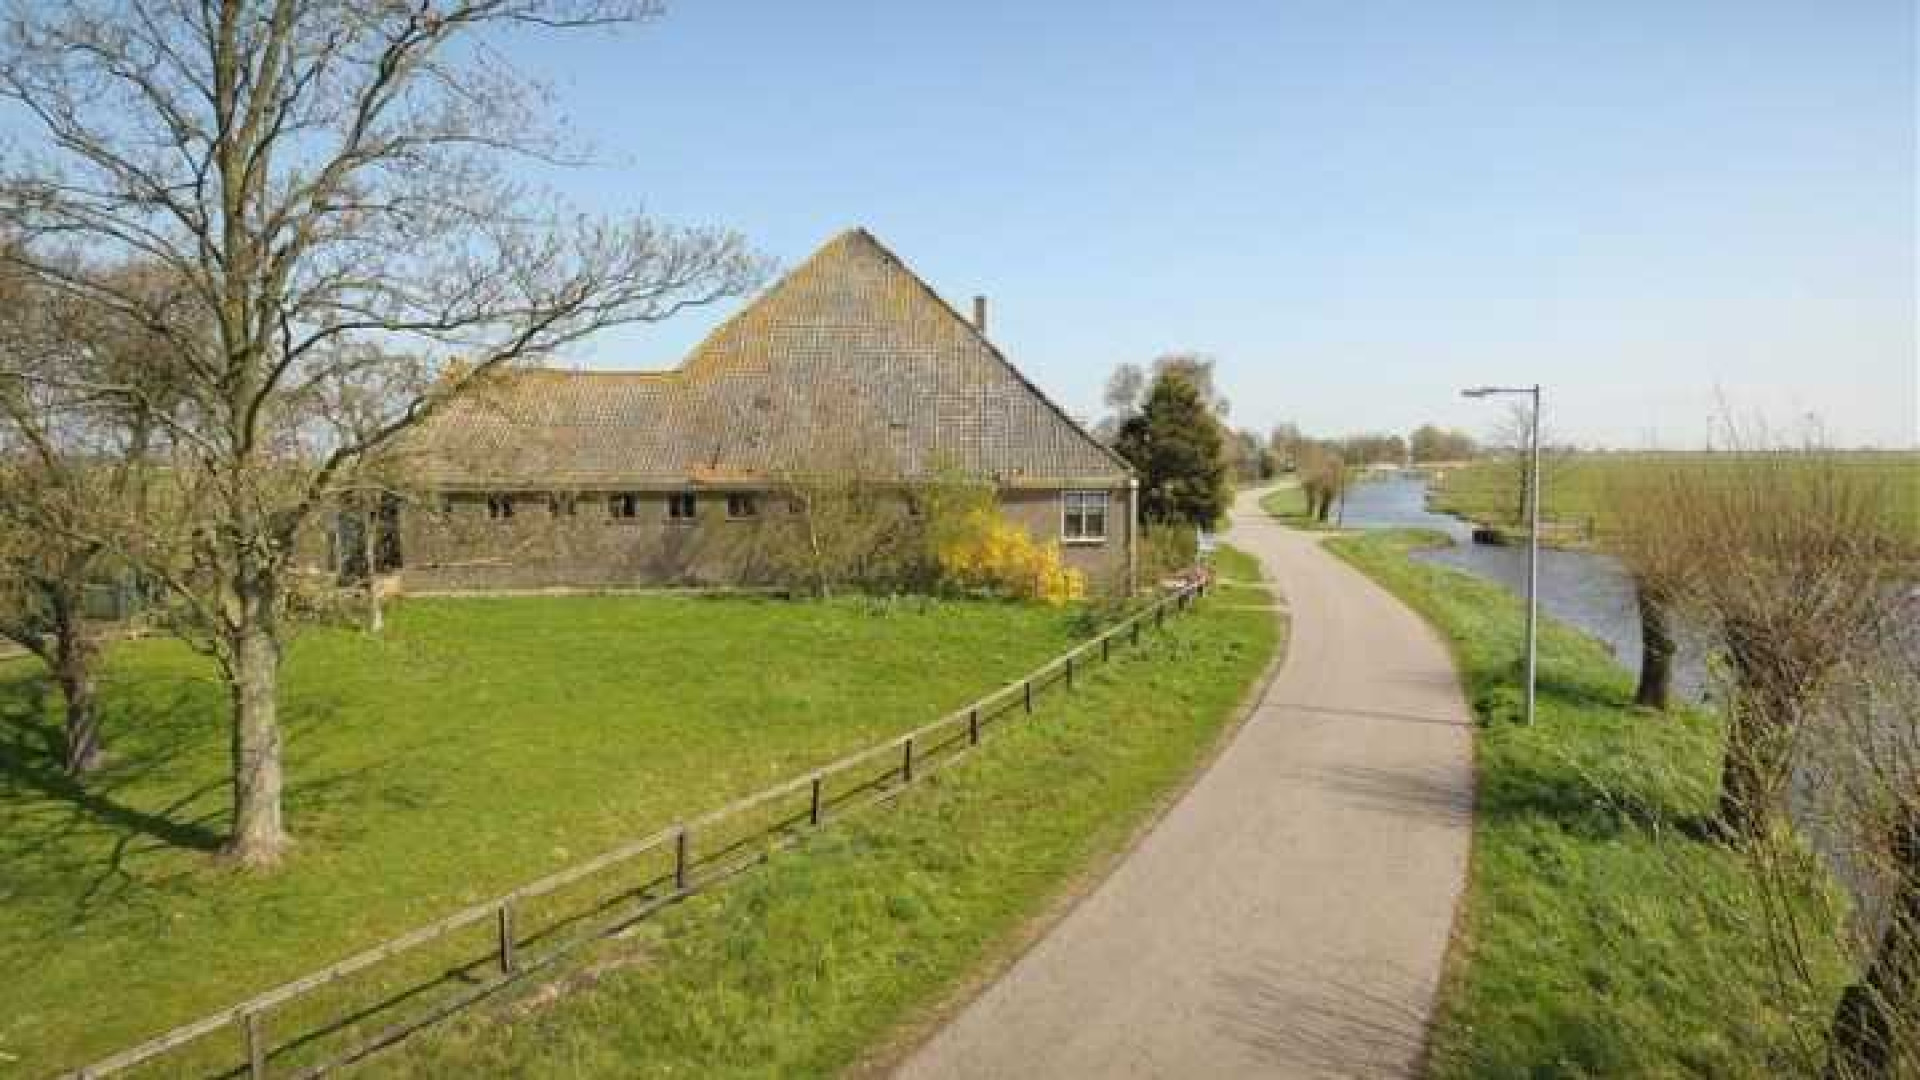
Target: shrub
<point>981,549</point>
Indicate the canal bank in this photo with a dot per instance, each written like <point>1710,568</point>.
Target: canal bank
<point>1587,590</point>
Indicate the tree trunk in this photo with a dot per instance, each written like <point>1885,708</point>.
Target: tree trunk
<point>78,686</point>
<point>258,837</point>
<point>1876,1029</point>
<point>1656,651</point>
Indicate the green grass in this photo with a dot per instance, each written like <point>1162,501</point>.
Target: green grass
<point>480,744</point>
<point>1602,935</point>
<point>1289,505</point>
<point>1575,488</point>
<point>811,962</point>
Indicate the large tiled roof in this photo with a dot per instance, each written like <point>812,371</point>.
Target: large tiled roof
<point>850,357</point>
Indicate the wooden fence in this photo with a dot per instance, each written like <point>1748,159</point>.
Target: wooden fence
<point>691,855</point>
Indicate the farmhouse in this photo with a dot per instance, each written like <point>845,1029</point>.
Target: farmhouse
<point>552,478</point>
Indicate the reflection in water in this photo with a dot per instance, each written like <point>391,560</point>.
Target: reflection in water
<point>1585,590</point>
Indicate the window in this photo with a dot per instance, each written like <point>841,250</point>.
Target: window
<point>623,506</point>
<point>742,505</point>
<point>561,505</point>
<point>499,507</point>
<point>680,506</point>
<point>1085,518</point>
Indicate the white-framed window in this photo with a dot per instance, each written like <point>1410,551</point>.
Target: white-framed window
<point>742,505</point>
<point>623,506</point>
<point>681,506</point>
<point>500,507</point>
<point>1083,517</point>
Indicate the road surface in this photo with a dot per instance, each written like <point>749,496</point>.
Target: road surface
<point>1289,916</point>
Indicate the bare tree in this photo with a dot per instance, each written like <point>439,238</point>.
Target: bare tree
<point>1323,476</point>
<point>1793,556</point>
<point>312,173</point>
<point>74,468</point>
<point>1639,512</point>
<point>1868,767</point>
<point>1509,441</point>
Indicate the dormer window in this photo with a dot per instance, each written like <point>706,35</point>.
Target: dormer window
<point>499,507</point>
<point>681,506</point>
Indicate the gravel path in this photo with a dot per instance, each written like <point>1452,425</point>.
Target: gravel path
<point>1288,917</point>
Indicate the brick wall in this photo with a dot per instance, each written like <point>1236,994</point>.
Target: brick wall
<point>463,546</point>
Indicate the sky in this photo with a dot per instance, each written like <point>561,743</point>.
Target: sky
<point>1661,212</point>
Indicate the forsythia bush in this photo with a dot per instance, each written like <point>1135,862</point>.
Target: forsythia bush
<point>985,550</point>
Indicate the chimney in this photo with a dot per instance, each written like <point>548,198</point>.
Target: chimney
<point>980,315</point>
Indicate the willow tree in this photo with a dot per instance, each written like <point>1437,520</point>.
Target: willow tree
<point>312,173</point>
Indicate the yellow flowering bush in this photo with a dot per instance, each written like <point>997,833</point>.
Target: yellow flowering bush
<point>983,550</point>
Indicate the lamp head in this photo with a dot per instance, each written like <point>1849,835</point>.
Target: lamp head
<point>1478,392</point>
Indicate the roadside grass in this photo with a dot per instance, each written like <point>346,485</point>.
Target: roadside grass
<point>1289,505</point>
<point>1602,934</point>
<point>840,951</point>
<point>479,744</point>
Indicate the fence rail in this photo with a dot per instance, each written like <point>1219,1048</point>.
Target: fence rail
<point>902,760</point>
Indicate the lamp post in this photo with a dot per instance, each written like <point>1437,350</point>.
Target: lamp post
<point>1533,528</point>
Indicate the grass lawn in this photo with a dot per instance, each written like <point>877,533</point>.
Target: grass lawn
<point>1601,936</point>
<point>836,951</point>
<point>1575,490</point>
<point>480,744</point>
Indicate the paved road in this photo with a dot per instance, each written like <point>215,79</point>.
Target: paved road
<point>1289,915</point>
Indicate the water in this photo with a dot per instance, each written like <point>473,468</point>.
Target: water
<point>1593,593</point>
<point>1585,590</point>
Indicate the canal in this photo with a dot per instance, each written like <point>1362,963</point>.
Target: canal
<point>1585,590</point>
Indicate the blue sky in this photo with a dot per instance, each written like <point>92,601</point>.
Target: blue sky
<point>1359,207</point>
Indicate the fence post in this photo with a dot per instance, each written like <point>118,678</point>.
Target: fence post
<point>1160,617</point>
<point>1027,689</point>
<point>680,860</point>
<point>256,1048</point>
<point>813,804</point>
<point>973,726</point>
<point>506,938</point>
<point>1104,642</point>
<point>1069,672</point>
<point>906,763</point>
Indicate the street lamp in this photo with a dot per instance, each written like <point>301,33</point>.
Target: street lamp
<point>1533,528</point>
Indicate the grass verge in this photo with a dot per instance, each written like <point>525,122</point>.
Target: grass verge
<point>478,745</point>
<point>1602,936</point>
<point>824,956</point>
<point>1289,505</point>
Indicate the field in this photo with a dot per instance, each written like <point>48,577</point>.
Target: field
<point>480,744</point>
<point>836,953</point>
<point>1603,935</point>
<point>1575,487</point>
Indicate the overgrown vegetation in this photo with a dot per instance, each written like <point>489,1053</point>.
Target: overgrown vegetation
<point>816,959</point>
<point>532,733</point>
<point>1607,929</point>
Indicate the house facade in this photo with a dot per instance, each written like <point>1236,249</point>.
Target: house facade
<point>589,479</point>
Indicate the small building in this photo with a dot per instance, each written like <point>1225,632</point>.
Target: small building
<point>550,478</point>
